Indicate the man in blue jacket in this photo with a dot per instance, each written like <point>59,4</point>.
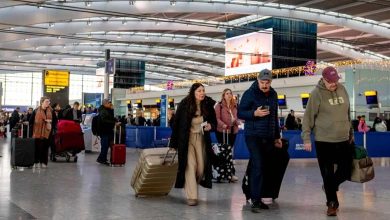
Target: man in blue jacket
<point>259,109</point>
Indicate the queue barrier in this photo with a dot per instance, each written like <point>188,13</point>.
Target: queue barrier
<point>378,143</point>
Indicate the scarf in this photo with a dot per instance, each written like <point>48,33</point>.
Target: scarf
<point>42,129</point>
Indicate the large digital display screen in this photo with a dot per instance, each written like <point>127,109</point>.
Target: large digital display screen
<point>248,53</point>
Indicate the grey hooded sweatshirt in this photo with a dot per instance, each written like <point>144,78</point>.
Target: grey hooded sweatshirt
<point>327,115</point>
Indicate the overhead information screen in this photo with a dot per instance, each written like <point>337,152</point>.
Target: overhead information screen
<point>56,86</point>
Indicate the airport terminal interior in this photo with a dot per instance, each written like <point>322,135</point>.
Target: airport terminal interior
<point>141,58</point>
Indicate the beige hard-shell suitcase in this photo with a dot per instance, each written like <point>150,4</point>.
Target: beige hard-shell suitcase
<point>155,172</point>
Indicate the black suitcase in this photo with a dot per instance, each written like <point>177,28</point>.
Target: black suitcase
<point>222,164</point>
<point>276,165</point>
<point>22,151</point>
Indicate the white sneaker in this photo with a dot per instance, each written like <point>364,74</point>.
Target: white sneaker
<point>43,165</point>
<point>267,201</point>
<point>36,165</point>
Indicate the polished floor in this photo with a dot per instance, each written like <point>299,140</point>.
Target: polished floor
<point>87,190</point>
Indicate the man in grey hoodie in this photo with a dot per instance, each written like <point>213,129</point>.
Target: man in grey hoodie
<point>327,116</point>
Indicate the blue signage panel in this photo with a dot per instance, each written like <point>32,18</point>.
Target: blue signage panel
<point>163,111</point>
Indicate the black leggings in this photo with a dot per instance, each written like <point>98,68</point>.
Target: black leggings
<point>329,154</point>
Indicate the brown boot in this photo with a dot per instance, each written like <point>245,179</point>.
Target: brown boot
<point>332,209</point>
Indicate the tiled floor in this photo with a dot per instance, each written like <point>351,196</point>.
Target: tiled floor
<point>86,190</point>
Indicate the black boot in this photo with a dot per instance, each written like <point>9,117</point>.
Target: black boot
<point>257,206</point>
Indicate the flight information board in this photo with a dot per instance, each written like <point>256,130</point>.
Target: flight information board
<point>56,86</point>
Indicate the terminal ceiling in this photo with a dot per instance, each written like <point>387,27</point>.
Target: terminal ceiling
<point>178,39</point>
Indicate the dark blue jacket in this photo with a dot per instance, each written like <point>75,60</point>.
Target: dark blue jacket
<point>264,127</point>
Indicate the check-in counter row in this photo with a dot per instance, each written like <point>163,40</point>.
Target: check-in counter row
<point>378,143</point>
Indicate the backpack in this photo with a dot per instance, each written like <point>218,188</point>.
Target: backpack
<point>96,125</point>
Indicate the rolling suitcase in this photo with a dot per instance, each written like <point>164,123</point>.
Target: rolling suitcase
<point>69,137</point>
<point>22,150</point>
<point>118,151</point>
<point>277,163</point>
<point>223,168</point>
<point>155,172</point>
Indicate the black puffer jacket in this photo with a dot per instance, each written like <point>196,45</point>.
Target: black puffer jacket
<point>264,127</point>
<point>180,138</point>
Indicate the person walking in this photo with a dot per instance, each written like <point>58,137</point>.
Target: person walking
<point>327,116</point>
<point>259,109</point>
<point>226,113</point>
<point>194,119</point>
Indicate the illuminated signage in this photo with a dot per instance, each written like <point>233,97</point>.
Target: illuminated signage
<point>305,98</point>
<point>282,102</point>
<point>371,98</point>
<point>56,86</point>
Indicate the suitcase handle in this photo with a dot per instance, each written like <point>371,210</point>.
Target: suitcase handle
<point>28,130</point>
<point>120,133</point>
<point>225,134</point>
<point>166,155</point>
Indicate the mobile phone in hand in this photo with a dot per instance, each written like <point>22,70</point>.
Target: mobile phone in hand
<point>265,107</point>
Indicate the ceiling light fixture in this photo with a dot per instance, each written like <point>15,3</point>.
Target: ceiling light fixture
<point>88,3</point>
<point>124,22</point>
<point>51,24</point>
<point>172,2</point>
<point>89,23</point>
<point>59,37</point>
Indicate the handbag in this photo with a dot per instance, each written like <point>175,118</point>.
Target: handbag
<point>362,166</point>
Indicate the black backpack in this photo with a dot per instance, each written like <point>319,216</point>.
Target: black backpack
<point>96,125</point>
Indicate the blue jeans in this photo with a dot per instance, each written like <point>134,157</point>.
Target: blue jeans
<point>105,141</point>
<point>259,149</point>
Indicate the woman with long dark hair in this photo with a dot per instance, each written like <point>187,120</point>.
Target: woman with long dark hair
<point>226,113</point>
<point>194,119</point>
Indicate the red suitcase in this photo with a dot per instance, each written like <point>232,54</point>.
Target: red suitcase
<point>69,136</point>
<point>118,151</point>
